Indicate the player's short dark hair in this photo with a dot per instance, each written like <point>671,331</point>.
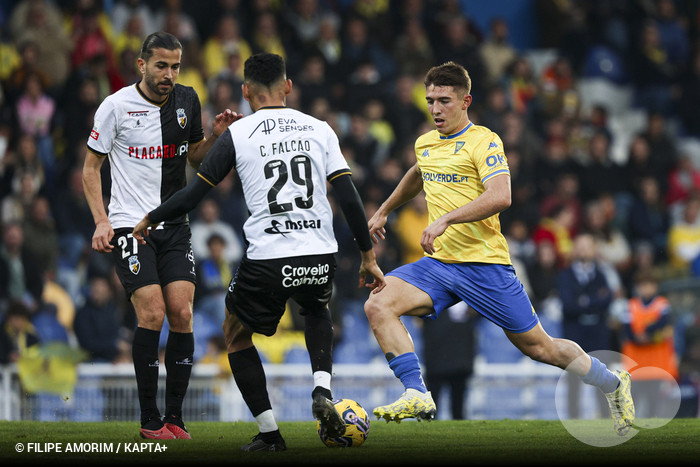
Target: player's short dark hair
<point>159,40</point>
<point>449,74</point>
<point>265,69</point>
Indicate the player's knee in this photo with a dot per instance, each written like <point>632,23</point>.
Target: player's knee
<point>180,319</point>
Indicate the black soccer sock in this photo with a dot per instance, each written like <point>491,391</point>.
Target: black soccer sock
<point>249,374</point>
<point>319,340</point>
<point>144,351</point>
<point>179,352</point>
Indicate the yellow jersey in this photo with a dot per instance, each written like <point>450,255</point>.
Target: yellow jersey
<point>454,169</point>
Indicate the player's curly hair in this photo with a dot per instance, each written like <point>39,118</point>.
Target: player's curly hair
<point>449,74</point>
<point>265,69</point>
<point>159,40</point>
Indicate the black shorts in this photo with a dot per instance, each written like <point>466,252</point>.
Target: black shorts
<point>260,289</point>
<point>166,257</point>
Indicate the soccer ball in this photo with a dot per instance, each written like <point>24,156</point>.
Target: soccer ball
<point>356,425</point>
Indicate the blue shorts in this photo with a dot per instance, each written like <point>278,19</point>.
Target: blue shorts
<point>492,290</point>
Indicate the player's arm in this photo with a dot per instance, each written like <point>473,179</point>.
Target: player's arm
<point>219,162</point>
<point>408,188</point>
<point>495,198</point>
<point>198,150</point>
<point>92,185</point>
<point>349,201</point>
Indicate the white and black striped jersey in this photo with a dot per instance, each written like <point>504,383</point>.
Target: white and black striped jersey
<point>283,158</point>
<point>147,145</point>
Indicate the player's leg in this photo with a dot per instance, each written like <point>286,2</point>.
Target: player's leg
<point>179,353</point>
<point>567,355</point>
<point>383,311</point>
<point>249,374</point>
<point>150,312</point>
<point>255,304</point>
<point>176,270</point>
<point>137,271</point>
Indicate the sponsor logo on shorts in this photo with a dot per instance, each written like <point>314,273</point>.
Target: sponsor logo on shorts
<point>305,275</point>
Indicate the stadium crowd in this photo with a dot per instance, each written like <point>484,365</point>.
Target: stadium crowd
<point>599,122</point>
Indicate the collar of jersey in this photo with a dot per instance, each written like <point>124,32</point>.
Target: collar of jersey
<point>272,107</point>
<point>159,104</point>
<point>457,134</point>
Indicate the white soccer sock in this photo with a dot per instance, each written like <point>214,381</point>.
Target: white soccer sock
<point>322,379</point>
<point>266,421</point>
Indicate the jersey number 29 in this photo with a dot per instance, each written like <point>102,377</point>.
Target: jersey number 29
<point>300,167</point>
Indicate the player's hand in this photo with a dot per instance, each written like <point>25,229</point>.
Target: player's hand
<point>223,120</point>
<point>432,232</point>
<point>376,227</point>
<point>102,238</point>
<point>370,268</point>
<point>142,228</point>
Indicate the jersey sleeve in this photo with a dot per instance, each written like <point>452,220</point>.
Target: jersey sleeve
<point>220,159</point>
<point>104,129</point>
<point>490,158</point>
<point>196,131</point>
<point>336,164</point>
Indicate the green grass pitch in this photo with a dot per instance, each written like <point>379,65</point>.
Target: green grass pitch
<point>491,442</point>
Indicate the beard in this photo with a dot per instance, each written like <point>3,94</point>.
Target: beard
<point>153,85</point>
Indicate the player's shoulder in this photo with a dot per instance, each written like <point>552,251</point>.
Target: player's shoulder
<point>479,135</point>
<point>427,138</point>
<point>121,96</point>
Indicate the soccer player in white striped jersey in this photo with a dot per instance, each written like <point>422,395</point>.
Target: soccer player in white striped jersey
<point>150,131</point>
<point>284,159</point>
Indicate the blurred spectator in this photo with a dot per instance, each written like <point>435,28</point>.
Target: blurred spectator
<point>40,235</point>
<point>412,50</point>
<point>218,46</point>
<point>648,218</point>
<point>649,349</point>
<point>611,243</point>
<point>601,174</point>
<point>123,10</point>
<point>460,45</point>
<point>362,143</point>
<point>16,206</point>
<point>452,333</point>
<point>405,117</point>
<point>130,38</point>
<point>170,17</point>
<point>35,113</point>
<point>520,243</point>
<point>683,244</point>
<point>29,65</point>
<point>213,279</point>
<point>16,333</point>
<point>566,192</point>
<point>494,109</point>
<point>41,22</point>
<point>359,49</point>
<point>639,164</point>
<point>655,72</point>
<point>408,225</point>
<point>379,127</point>
<point>20,278</point>
<point>313,82</point>
<point>542,273</point>
<point>557,228</point>
<point>329,44</point>
<point>266,35</point>
<point>558,95</point>
<point>303,17</point>
<point>689,98</point>
<point>521,86</point>
<point>209,223</point>
<point>90,39</point>
<point>586,297</point>
<point>98,325</point>
<point>497,53</point>
<point>683,180</point>
<point>56,299</point>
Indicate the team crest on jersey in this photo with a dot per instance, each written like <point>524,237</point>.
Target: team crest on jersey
<point>181,117</point>
<point>458,145</point>
<point>134,264</point>
<point>426,153</point>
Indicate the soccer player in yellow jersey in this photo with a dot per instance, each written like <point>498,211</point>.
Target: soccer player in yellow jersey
<point>464,173</point>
